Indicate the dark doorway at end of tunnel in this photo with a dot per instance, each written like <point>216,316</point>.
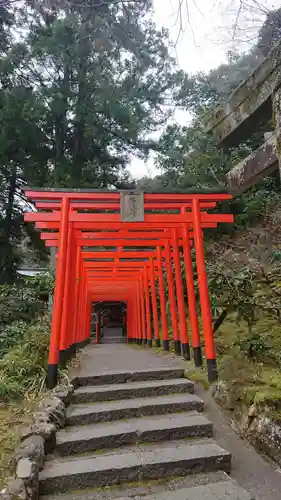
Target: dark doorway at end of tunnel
<point>109,322</point>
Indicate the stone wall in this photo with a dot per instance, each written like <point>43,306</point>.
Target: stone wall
<point>37,439</point>
<point>253,423</point>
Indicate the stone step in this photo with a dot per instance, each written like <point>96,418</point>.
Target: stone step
<point>177,458</point>
<point>113,340</point>
<point>211,486</point>
<point>94,437</point>
<point>82,414</point>
<point>143,491</point>
<point>227,490</point>
<point>131,390</point>
<point>112,331</point>
<point>113,377</point>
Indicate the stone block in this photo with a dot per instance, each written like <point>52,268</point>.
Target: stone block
<point>223,397</point>
<point>15,490</point>
<point>132,390</point>
<point>117,410</point>
<point>44,429</point>
<point>33,449</point>
<point>64,393</point>
<point>151,462</point>
<point>54,410</point>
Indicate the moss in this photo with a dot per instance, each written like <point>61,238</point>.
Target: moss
<point>136,346</point>
<point>275,416</point>
<point>268,396</point>
<point>129,485</point>
<point>271,377</point>
<point>249,395</point>
<point>198,375</point>
<point>249,381</point>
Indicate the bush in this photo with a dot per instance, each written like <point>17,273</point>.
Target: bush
<point>11,335</point>
<point>23,368</point>
<point>25,300</point>
<point>255,346</point>
<point>238,373</point>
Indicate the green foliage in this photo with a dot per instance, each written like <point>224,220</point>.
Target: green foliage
<point>21,305</point>
<point>42,284</point>
<point>202,91</point>
<point>189,158</point>
<point>79,94</point>
<point>269,33</point>
<point>256,203</point>
<point>235,293</point>
<point>255,346</point>
<point>10,335</point>
<point>24,301</point>
<point>239,374</point>
<point>17,302</point>
<point>23,368</point>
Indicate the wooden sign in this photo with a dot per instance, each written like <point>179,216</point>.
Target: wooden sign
<point>132,206</point>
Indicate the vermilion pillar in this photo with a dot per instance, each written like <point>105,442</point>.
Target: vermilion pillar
<point>204,293</point>
<point>138,316</point>
<point>138,334</point>
<point>83,307</point>
<point>81,297</point>
<point>172,300</point>
<point>154,303</point>
<point>76,295</point>
<point>58,297</point>
<point>89,316</point>
<point>65,338</point>
<point>97,328</point>
<point>147,308</point>
<point>165,335</point>
<point>191,297</point>
<point>143,337</point>
<point>180,298</point>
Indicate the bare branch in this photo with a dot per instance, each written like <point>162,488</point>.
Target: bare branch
<point>237,19</point>
<point>179,16</point>
<point>240,16</point>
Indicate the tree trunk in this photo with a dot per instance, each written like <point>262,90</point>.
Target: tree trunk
<point>7,256</point>
<point>10,203</point>
<point>219,321</point>
<point>60,119</point>
<point>79,155</point>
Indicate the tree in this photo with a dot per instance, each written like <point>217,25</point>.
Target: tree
<point>6,22</point>
<point>186,155</point>
<point>103,74</point>
<point>22,146</point>
<point>23,154</point>
<point>189,158</point>
<point>80,91</point>
<point>270,31</point>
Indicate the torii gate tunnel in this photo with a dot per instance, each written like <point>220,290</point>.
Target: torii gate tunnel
<point>106,254</point>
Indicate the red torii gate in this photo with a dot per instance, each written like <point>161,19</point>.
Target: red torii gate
<point>103,258</point>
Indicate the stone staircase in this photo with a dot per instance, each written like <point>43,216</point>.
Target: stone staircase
<point>138,436</point>
<point>112,335</point>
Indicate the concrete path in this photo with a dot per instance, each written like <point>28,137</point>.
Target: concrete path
<point>112,335</point>
<point>134,417</point>
<point>113,357</point>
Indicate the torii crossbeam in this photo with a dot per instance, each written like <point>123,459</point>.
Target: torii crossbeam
<point>104,257</point>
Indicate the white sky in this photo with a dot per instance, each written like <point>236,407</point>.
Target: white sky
<point>203,42</point>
